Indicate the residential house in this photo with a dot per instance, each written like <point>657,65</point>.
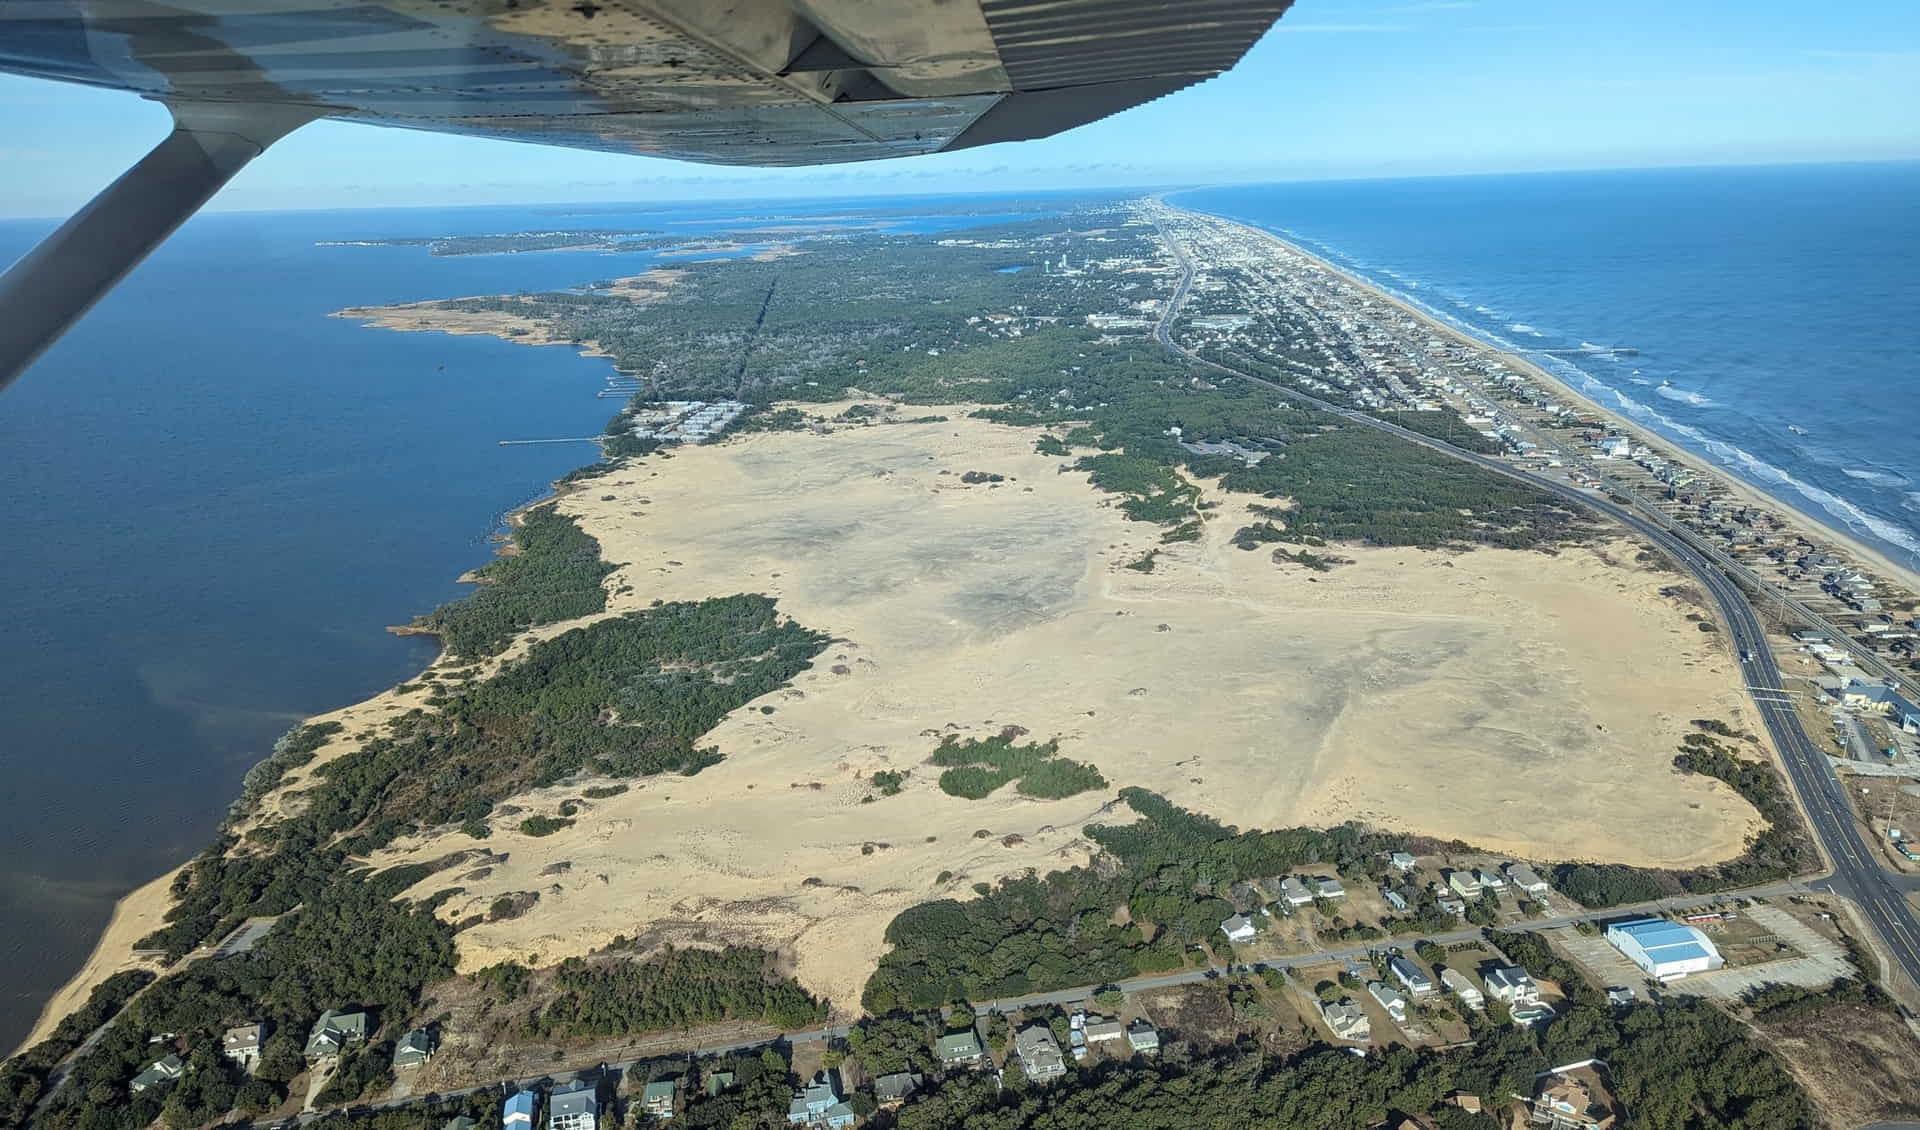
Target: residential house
<point>1394,898</point>
<point>1461,986</point>
<point>1391,999</point>
<point>334,1031</point>
<point>1489,880</point>
<point>1451,905</point>
<point>517,1112</point>
<point>1100,1031</point>
<point>1347,1020</point>
<point>1412,976</point>
<point>1039,1053</point>
<point>1401,861</point>
<point>1512,984</point>
<point>1328,888</point>
<point>242,1045</point>
<point>1464,884</point>
<point>414,1048</point>
<point>656,1098</point>
<point>1294,892</point>
<point>716,1082</point>
<point>892,1090</point>
<point>1567,1102</point>
<point>1142,1036</point>
<point>819,1104</point>
<point>1239,928</point>
<point>159,1073</point>
<point>1527,879</point>
<point>461,1122</point>
<point>574,1106</point>
<point>957,1048</point>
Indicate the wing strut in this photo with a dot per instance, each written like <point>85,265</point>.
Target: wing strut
<point>52,285</point>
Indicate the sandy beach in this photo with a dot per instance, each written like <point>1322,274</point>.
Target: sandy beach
<point>1808,525</point>
<point>1450,694</point>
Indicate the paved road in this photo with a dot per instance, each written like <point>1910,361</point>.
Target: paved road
<point>1857,874</point>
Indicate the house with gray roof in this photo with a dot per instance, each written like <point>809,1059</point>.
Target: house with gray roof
<point>1347,1020</point>
<point>957,1048</point>
<point>159,1073</point>
<point>892,1090</point>
<point>334,1031</point>
<point>1142,1036</point>
<point>1527,879</point>
<point>574,1106</point>
<point>414,1048</point>
<point>1239,928</point>
<point>241,1045</point>
<point>1294,891</point>
<point>1039,1053</point>
<point>1411,976</point>
<point>1390,998</point>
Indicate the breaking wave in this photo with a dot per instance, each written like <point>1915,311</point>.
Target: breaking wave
<point>1684,396</point>
<point>1523,328</point>
<point>1878,478</point>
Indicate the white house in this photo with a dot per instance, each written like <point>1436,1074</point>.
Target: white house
<point>1294,891</point>
<point>1464,884</point>
<point>1460,985</point>
<point>1527,879</point>
<point>1239,928</point>
<point>1512,984</point>
<point>1401,861</point>
<point>1347,1020</point>
<point>1328,888</point>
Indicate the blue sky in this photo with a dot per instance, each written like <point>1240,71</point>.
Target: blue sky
<point>1342,88</point>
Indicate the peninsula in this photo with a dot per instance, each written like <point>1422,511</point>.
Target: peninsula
<point>996,655</point>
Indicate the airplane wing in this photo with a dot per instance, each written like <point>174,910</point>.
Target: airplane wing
<point>736,82</point>
<point>732,82</point>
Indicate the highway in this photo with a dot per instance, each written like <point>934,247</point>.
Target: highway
<point>1857,874</point>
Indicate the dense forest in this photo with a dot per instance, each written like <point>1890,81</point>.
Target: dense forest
<point>978,766</point>
<point>553,572</point>
<point>672,989</point>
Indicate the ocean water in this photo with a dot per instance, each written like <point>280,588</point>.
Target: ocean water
<point>218,497</point>
<point>1776,310</point>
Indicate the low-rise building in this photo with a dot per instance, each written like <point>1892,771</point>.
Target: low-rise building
<point>656,1098</point>
<point>1039,1052</point>
<point>574,1106</point>
<point>1464,884</point>
<point>1100,1031</point>
<point>241,1045</point>
<point>518,1111</point>
<point>1401,861</point>
<point>1489,880</point>
<point>1665,950</point>
<point>1390,998</point>
<point>1460,985</point>
<point>717,1082</point>
<point>1512,985</point>
<point>414,1048</point>
<point>819,1104</point>
<point>1142,1036</point>
<point>1239,928</point>
<point>1394,898</point>
<point>1347,1020</point>
<point>1411,976</point>
<point>892,1090</point>
<point>1294,892</point>
<point>1328,888</point>
<point>160,1073</point>
<point>1570,1099</point>
<point>334,1031</point>
<point>1527,880</point>
<point>958,1048</point>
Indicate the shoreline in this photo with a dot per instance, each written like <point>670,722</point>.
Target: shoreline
<point>1749,493</point>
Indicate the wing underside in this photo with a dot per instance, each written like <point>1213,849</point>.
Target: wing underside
<point>736,82</point>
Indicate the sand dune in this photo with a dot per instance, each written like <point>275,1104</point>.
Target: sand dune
<point>1525,702</point>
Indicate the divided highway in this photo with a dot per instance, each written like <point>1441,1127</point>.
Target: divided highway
<point>1857,874</point>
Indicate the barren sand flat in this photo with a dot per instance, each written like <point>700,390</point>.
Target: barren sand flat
<point>1517,700</point>
<point>524,329</point>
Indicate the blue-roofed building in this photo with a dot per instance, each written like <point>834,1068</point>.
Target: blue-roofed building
<point>517,1112</point>
<point>1666,950</point>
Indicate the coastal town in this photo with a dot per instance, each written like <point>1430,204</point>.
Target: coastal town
<point>1420,945</point>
